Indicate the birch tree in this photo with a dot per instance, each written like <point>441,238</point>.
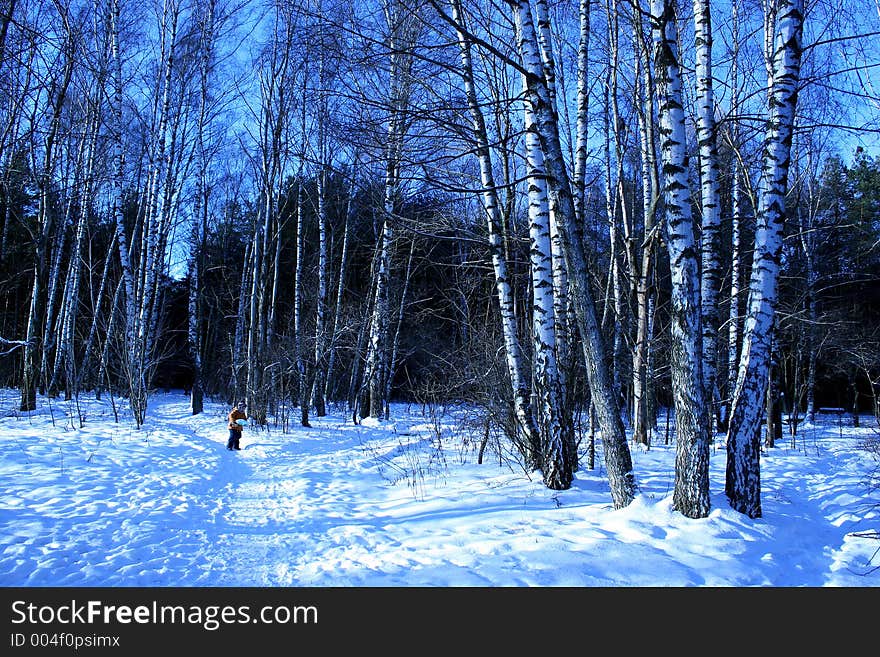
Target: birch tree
<point>324,164</point>
<point>809,236</point>
<point>556,466</point>
<point>402,31</point>
<point>56,95</point>
<point>80,204</point>
<point>131,345</point>
<point>276,76</point>
<point>157,203</point>
<point>517,370</point>
<point>163,165</point>
<point>737,217</point>
<point>617,456</point>
<point>336,328</point>
<point>642,417</point>
<point>616,312</point>
<point>304,393</point>
<point>710,205</point>
<point>691,493</point>
<point>558,370</point>
<point>743,480</point>
<point>199,220</point>
<point>579,174</point>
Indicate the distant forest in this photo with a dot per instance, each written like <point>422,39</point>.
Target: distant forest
<point>568,215</point>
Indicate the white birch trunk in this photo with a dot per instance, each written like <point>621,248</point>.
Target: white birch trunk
<point>109,337</point>
<point>335,328</point>
<point>53,304</point>
<point>65,361</point>
<point>395,341</point>
<point>614,199</point>
<point>199,227</point>
<point>152,262</point>
<point>144,305</point>
<point>770,10</point>
<point>254,351</point>
<point>643,420</point>
<point>122,239</point>
<point>579,175</point>
<point>273,374</point>
<point>617,456</point>
<point>808,244</point>
<point>556,468</point>
<point>356,382</point>
<point>321,301</point>
<point>84,376</point>
<point>691,492</point>
<point>402,26</point>
<point>194,312</point>
<point>320,355</point>
<point>743,484</point>
<point>516,368</point>
<point>299,347</point>
<point>559,274</point>
<point>737,215</point>
<point>809,235</point>
<point>373,404</point>
<point>734,318</point>
<point>710,201</point>
<point>304,397</point>
<point>238,378</point>
<point>545,44</point>
<point>275,101</point>
<point>565,338</point>
<point>45,224</point>
<point>56,306</point>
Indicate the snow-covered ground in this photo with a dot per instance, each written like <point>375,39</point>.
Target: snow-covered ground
<point>401,503</point>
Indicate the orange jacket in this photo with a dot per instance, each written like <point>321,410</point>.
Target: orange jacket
<point>234,415</point>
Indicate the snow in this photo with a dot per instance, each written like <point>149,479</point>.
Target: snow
<point>402,503</point>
